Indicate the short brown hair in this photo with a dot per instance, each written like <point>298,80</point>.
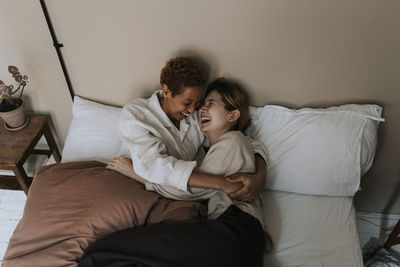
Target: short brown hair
<point>182,72</point>
<point>234,98</point>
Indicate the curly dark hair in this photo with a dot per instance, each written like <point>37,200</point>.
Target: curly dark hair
<point>182,72</point>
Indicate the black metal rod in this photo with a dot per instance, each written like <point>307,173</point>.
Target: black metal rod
<point>57,47</point>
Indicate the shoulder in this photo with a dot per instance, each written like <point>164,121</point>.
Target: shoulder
<point>143,103</point>
<point>133,113</point>
<point>235,138</point>
<point>138,108</point>
<point>232,141</point>
<point>230,155</point>
<point>134,116</point>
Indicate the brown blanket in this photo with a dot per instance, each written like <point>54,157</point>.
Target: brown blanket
<point>71,205</point>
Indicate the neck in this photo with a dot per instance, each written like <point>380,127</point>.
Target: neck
<point>164,108</point>
<point>162,104</point>
<point>215,136</point>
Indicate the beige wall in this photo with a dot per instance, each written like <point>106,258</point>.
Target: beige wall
<point>291,52</point>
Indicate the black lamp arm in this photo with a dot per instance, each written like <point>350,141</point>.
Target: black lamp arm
<point>57,46</point>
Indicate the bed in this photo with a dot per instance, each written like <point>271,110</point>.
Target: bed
<point>316,160</point>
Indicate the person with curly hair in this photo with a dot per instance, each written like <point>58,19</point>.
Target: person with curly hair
<point>163,138</point>
<point>162,135</point>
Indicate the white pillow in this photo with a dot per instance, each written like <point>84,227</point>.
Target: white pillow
<point>93,133</point>
<point>311,151</point>
<point>317,151</point>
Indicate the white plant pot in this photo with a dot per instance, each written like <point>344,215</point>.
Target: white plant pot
<point>16,118</point>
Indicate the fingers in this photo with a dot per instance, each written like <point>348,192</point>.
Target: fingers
<point>245,193</point>
<point>111,166</point>
<point>240,193</point>
<point>114,163</point>
<point>234,175</point>
<point>247,197</point>
<point>235,179</point>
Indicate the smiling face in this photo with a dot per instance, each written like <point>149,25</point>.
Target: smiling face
<point>181,105</point>
<point>215,119</point>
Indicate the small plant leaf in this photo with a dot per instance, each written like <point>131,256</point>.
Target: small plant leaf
<point>12,69</point>
<point>6,91</point>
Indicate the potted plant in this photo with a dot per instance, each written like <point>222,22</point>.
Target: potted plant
<point>12,108</point>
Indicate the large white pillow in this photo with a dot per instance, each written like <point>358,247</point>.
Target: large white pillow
<point>311,151</point>
<point>317,151</point>
<point>93,132</point>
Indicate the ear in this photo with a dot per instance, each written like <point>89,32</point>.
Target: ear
<point>165,91</point>
<point>234,115</point>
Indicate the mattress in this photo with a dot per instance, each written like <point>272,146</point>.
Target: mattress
<point>311,230</point>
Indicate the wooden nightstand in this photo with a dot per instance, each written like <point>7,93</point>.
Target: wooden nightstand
<point>16,146</point>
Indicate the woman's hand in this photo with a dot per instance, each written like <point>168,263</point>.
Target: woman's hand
<point>125,167</point>
<point>250,186</point>
<point>231,188</point>
<point>252,183</point>
<point>210,181</point>
<point>122,165</point>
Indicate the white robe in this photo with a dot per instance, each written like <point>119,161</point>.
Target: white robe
<point>160,152</point>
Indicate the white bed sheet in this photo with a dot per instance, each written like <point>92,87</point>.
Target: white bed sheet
<point>311,230</point>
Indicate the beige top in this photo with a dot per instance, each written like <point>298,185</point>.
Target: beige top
<point>232,154</point>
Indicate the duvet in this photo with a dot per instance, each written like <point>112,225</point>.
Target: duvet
<point>71,205</point>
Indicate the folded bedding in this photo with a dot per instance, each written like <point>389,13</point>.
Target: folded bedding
<point>71,205</point>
